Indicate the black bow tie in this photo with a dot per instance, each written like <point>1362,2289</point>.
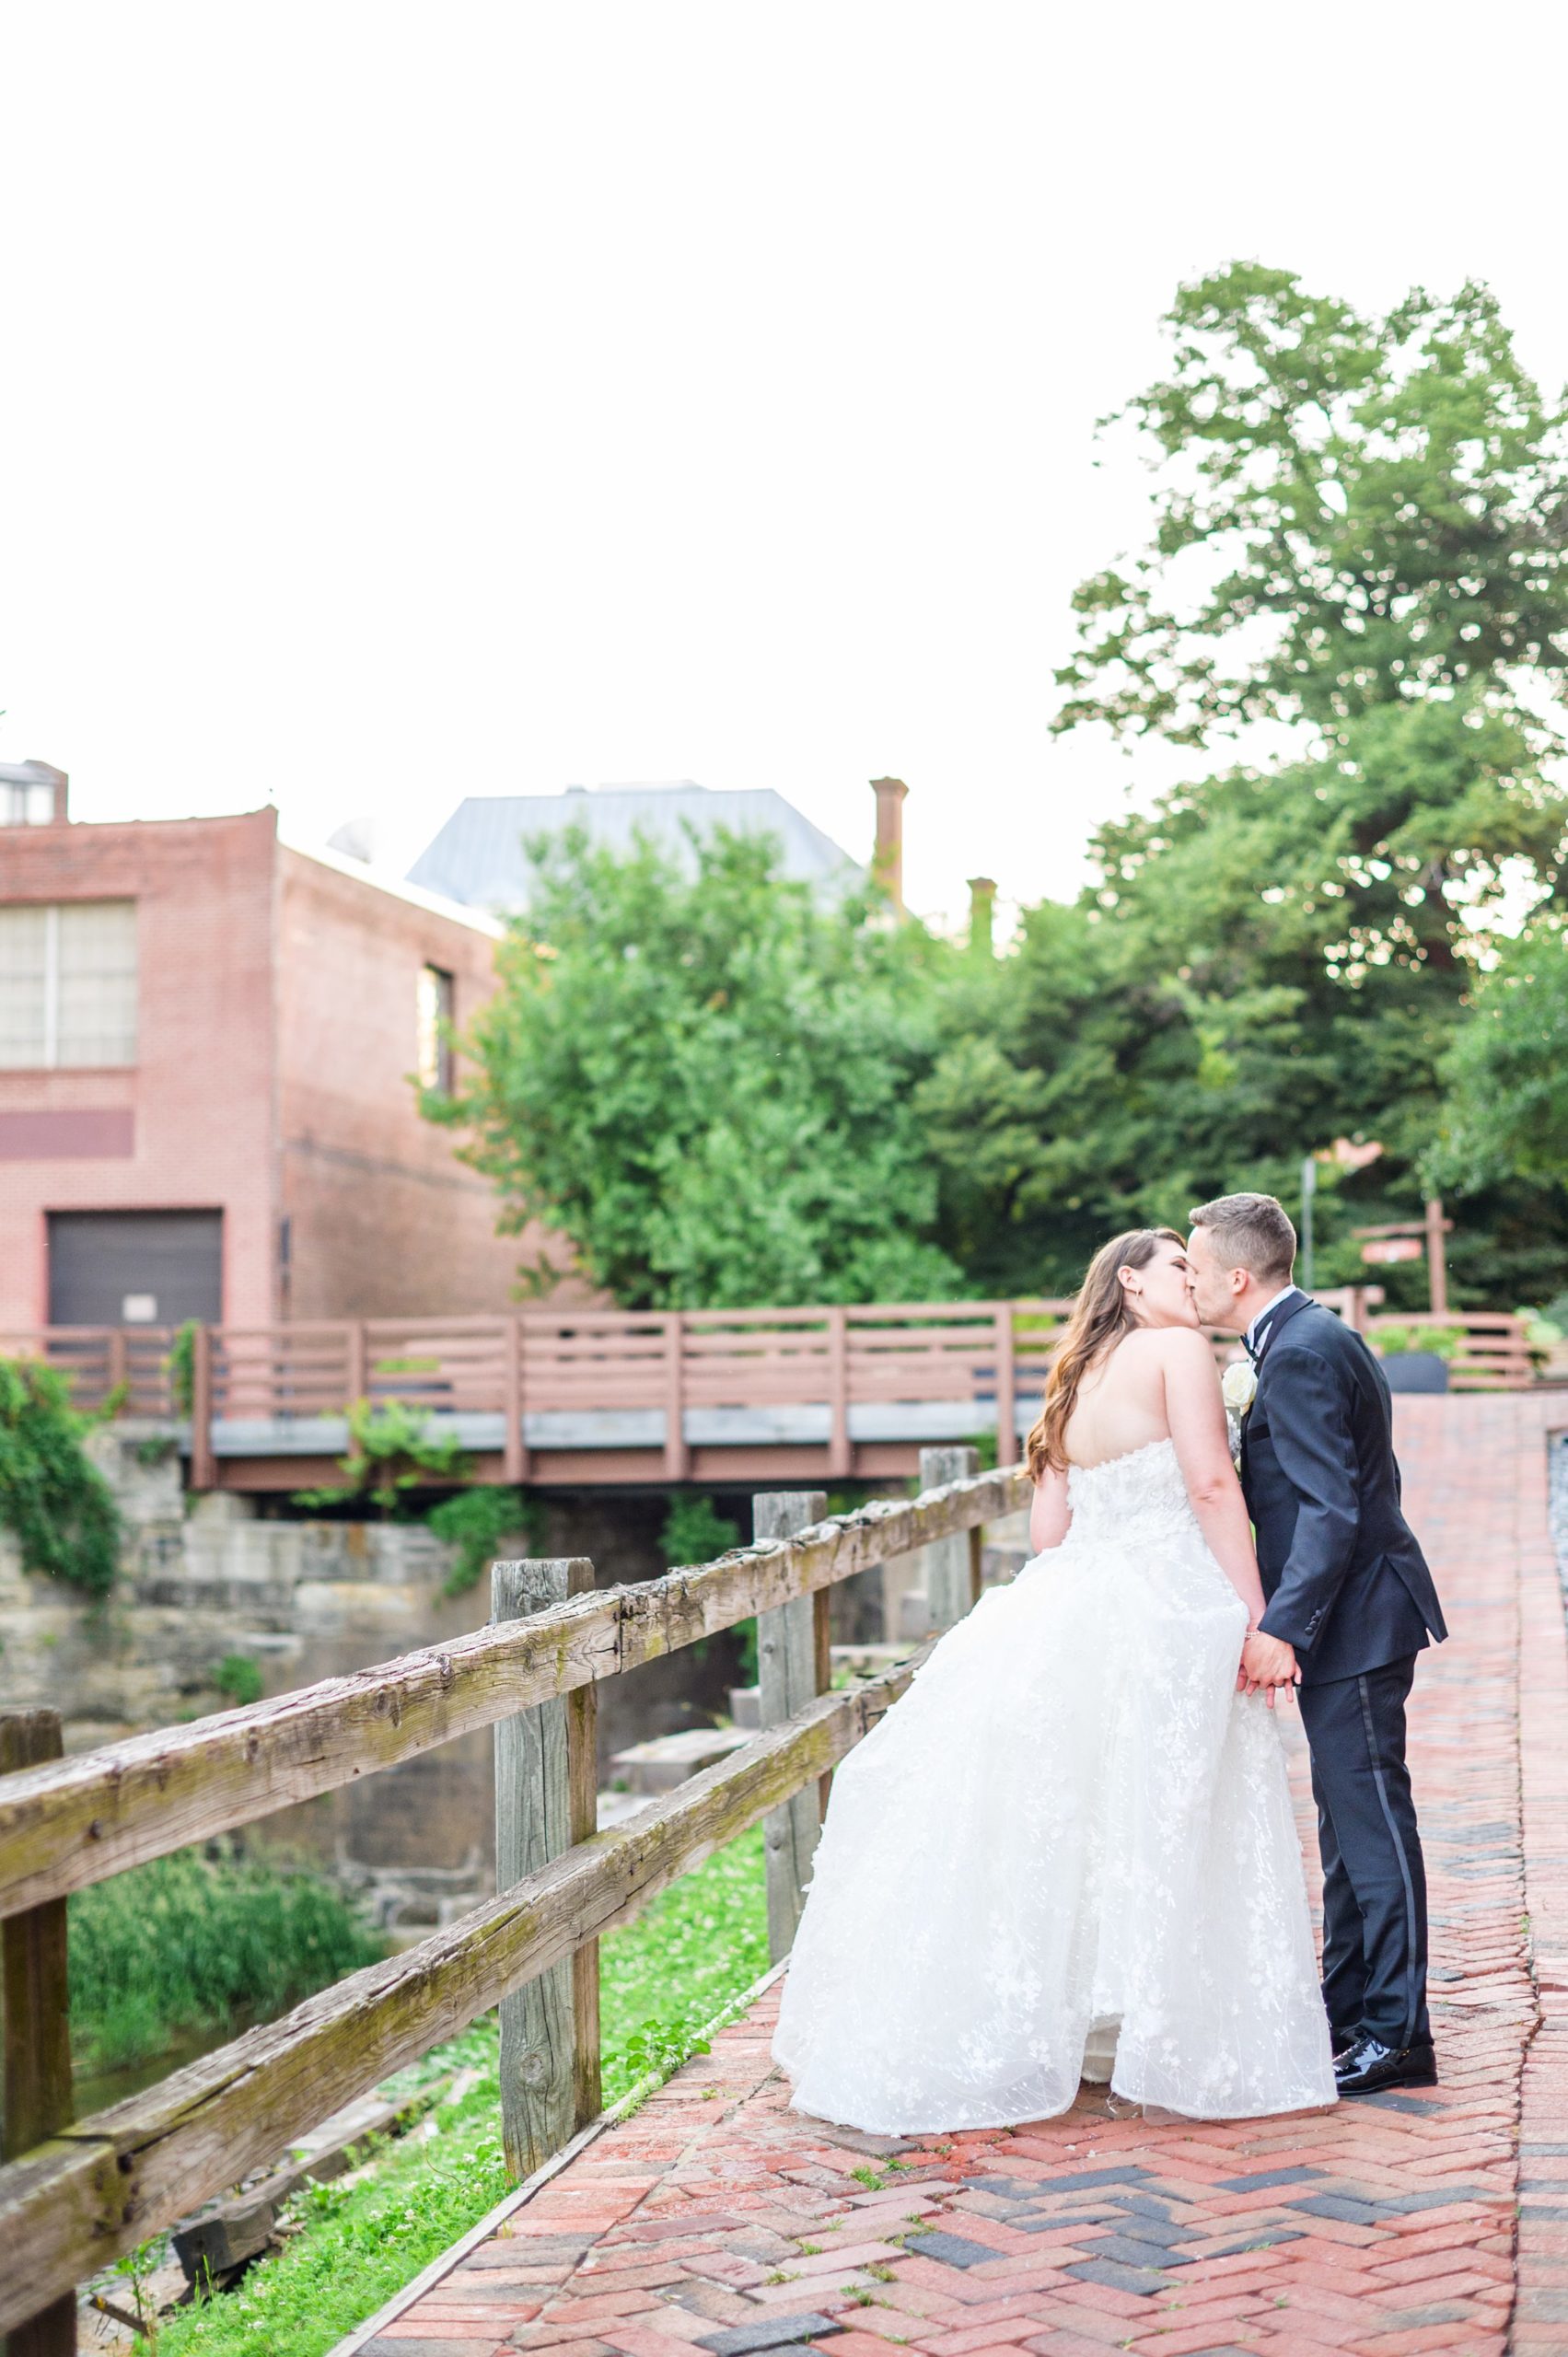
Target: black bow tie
<point>1265,1327</point>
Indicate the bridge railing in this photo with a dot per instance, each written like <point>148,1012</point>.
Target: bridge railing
<point>99,1360</point>
<point>75,2194</point>
<point>666,1381</point>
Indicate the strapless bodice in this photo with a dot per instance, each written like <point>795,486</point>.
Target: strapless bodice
<point>1142,1490</point>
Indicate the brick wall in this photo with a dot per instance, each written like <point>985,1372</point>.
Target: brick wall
<point>385,1221</point>
<point>200,1096</point>
<point>277,1031</point>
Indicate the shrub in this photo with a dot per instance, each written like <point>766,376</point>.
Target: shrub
<point>239,1677</point>
<point>475,1522</point>
<point>1442,1341</point>
<point>392,1452</point>
<point>51,1496</point>
<point>189,1942</point>
<point>182,1367</point>
<point>694,1532</point>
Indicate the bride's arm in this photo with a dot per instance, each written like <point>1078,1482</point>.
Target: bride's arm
<point>1049,1513</point>
<point>1195,1413</point>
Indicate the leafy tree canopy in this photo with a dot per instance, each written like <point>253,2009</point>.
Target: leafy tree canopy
<point>702,1078</point>
<point>719,1092</point>
<point>1360,528</point>
<point>1266,961</point>
<point>1352,511</point>
<point>1508,1068</point>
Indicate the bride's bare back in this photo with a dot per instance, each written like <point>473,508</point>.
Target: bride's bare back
<point>1122,1403</point>
<point>1158,1382</point>
<point>1136,1393</point>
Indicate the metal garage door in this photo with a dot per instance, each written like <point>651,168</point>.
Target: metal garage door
<point>134,1267</point>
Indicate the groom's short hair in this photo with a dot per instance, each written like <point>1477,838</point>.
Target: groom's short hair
<point>1251,1232</point>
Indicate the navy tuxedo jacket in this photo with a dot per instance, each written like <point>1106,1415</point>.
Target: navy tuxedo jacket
<point>1346,1583</point>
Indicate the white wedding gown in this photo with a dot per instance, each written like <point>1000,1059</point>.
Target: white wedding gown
<point>1067,1851</point>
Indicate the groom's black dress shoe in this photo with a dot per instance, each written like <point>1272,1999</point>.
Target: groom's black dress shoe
<point>1341,2040</point>
<point>1369,2066</point>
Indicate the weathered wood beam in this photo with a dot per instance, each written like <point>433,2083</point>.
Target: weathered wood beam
<point>952,1565</point>
<point>108,2182</point>
<point>35,1995</point>
<point>542,2070</point>
<point>787,1680</point>
<point>78,1821</point>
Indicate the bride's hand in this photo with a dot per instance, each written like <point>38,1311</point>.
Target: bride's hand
<point>1267,1662</point>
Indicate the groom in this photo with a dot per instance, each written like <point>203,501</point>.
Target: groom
<point>1350,1605</point>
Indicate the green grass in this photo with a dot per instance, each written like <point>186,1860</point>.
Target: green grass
<point>186,1943</point>
<point>694,1949</point>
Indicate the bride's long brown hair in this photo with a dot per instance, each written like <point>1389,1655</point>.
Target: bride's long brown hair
<point>1101,1315</point>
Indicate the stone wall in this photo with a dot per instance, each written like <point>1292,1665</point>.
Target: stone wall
<point>211,1576</point>
<point>206,1577</point>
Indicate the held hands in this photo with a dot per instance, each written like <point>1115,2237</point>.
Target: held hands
<point>1268,1666</point>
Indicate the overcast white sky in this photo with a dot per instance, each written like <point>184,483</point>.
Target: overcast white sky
<point>400,402</point>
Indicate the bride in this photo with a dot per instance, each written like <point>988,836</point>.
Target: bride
<point>1068,1852</point>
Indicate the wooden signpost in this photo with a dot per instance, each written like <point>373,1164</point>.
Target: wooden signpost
<point>1408,1240</point>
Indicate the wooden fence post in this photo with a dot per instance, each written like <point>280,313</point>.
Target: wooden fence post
<point>840,1453</point>
<point>792,1667</point>
<point>1436,1257</point>
<point>546,1800</point>
<point>204,1470</point>
<point>952,1565</point>
<point>1007,1388</point>
<point>38,2028</point>
<point>514,1453</point>
<point>677,1455</point>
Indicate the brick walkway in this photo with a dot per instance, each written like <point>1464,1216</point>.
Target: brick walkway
<point>716,2218</point>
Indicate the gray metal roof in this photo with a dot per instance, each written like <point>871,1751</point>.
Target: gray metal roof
<point>478,857</point>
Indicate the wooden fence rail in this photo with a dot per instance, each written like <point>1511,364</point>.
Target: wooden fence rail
<point>95,2188</point>
<point>78,1821</point>
<point>106,2183</point>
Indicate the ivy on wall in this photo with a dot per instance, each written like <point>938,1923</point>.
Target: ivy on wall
<point>52,1498</point>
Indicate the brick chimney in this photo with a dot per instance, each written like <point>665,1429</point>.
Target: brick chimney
<point>887,860</point>
<point>982,903</point>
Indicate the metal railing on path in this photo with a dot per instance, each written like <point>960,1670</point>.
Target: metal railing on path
<point>584,1395</point>
<point>74,2194</point>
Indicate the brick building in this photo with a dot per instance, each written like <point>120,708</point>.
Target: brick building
<point>206,1038</point>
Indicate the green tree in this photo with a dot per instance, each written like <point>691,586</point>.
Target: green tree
<point>702,1079</point>
<point>1359,531</point>
<point>1508,1070</point>
<point>1355,510</point>
<point>1266,961</point>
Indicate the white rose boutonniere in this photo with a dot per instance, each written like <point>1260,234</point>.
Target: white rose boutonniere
<point>1239,1388</point>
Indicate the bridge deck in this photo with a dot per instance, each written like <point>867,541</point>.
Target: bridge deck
<point>716,2219</point>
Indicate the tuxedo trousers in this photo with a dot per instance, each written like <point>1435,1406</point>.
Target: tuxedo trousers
<point>1373,1876</point>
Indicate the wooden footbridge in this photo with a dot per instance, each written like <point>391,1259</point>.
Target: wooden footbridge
<point>74,2194</point>
<point>583,1397</point>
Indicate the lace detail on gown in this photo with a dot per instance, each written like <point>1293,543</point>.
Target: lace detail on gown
<point>1070,1833</point>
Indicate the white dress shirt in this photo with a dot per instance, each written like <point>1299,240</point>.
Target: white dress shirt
<point>1284,1294</point>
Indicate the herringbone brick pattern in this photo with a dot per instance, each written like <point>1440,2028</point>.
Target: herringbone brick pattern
<point>717,2218</point>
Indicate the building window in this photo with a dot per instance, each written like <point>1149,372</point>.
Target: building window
<point>435,1016</point>
<point>25,806</point>
<point>67,984</point>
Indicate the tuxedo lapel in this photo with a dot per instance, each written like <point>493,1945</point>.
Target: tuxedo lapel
<point>1278,1320</point>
